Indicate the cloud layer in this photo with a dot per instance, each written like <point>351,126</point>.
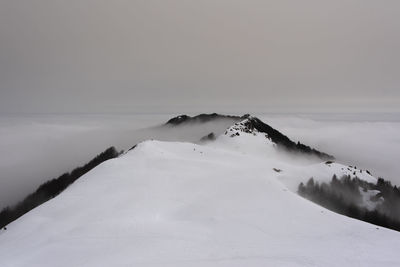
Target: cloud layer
<point>37,148</point>
<point>368,141</point>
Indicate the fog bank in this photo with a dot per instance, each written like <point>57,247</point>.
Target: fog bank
<point>38,148</point>
<point>368,141</point>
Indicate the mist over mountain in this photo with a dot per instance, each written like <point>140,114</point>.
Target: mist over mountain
<point>186,125</point>
<point>365,140</point>
<point>38,148</point>
<point>186,201</point>
<point>110,154</point>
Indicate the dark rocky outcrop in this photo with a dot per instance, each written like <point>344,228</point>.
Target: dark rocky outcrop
<point>284,141</point>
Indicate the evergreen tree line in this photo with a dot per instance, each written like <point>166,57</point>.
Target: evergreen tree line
<point>52,188</point>
<point>343,196</point>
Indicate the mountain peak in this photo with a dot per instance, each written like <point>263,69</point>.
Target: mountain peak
<point>251,124</point>
<point>254,123</point>
<point>201,118</point>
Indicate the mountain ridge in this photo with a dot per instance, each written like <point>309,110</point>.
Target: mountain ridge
<point>227,202</point>
<point>252,123</point>
<point>185,204</point>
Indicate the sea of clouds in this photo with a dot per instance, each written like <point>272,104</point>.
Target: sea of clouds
<point>37,148</point>
<point>368,141</point>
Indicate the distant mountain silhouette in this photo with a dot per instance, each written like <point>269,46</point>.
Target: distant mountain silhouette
<point>201,118</point>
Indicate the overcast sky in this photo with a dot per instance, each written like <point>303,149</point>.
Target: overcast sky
<point>159,56</point>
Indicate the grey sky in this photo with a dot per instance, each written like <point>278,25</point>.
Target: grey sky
<point>129,56</point>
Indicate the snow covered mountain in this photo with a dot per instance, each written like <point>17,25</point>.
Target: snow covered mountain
<point>227,202</point>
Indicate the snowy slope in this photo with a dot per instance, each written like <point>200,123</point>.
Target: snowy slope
<point>182,204</point>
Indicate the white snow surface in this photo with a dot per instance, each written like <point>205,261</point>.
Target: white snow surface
<point>183,204</point>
